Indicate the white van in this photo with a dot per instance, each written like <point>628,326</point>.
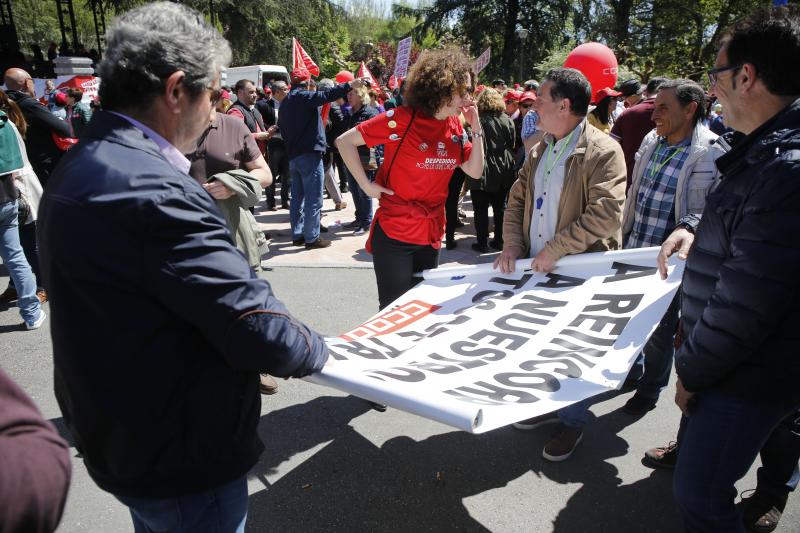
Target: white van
<point>258,74</point>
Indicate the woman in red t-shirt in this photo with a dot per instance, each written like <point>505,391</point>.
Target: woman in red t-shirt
<point>424,142</point>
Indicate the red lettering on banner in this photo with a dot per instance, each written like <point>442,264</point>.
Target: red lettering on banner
<point>391,321</point>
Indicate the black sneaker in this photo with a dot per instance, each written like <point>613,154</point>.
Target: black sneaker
<point>450,244</point>
<point>319,243</point>
<point>639,405</point>
<point>353,225</point>
<point>662,457</point>
<point>299,242</point>
<point>536,421</point>
<point>480,248</point>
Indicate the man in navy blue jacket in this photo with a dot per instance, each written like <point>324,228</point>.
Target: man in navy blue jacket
<point>301,127</point>
<point>738,369</point>
<point>160,327</point>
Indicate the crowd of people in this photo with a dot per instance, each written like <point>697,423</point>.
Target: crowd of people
<point>177,162</point>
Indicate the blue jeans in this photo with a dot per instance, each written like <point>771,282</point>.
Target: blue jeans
<point>219,510</point>
<point>307,179</point>
<point>780,474</point>
<point>27,237</point>
<point>658,353</point>
<point>718,444</point>
<point>361,200</point>
<point>18,268</point>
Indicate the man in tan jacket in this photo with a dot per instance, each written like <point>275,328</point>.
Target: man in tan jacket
<point>567,199</point>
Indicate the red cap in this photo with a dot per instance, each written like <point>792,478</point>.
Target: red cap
<point>267,90</point>
<point>513,95</point>
<point>604,92</point>
<point>528,96</point>
<point>225,95</point>
<point>300,75</point>
<point>61,98</point>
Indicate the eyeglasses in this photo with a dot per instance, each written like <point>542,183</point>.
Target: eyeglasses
<point>713,74</point>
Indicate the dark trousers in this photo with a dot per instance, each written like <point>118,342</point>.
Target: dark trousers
<point>341,169</point>
<point>451,205</point>
<point>718,444</point>
<point>481,200</point>
<point>279,166</point>
<point>395,263</point>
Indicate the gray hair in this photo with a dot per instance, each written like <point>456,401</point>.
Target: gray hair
<point>325,83</point>
<point>688,91</point>
<point>148,44</point>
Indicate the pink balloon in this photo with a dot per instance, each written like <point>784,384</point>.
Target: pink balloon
<point>344,76</point>
<point>597,62</point>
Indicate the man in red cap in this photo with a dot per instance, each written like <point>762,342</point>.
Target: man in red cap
<point>301,126</point>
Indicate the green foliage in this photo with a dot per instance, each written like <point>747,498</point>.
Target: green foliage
<point>37,23</point>
<point>649,37</point>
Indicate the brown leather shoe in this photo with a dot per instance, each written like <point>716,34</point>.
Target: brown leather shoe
<point>42,295</point>
<point>341,205</point>
<point>268,385</point>
<point>561,445</point>
<point>9,295</point>
<point>319,243</point>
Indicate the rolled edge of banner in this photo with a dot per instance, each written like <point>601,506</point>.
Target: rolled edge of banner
<point>524,264</point>
<point>459,416</point>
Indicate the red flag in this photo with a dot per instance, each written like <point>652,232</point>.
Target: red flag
<point>363,72</point>
<point>300,58</point>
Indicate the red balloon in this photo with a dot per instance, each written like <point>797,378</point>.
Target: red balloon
<point>344,76</point>
<point>597,62</point>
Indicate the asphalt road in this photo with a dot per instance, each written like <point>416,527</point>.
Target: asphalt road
<point>333,464</point>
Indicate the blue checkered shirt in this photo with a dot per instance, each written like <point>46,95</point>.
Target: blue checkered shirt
<point>654,218</point>
<point>529,122</point>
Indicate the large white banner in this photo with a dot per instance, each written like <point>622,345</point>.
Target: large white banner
<point>477,349</point>
<point>403,56</point>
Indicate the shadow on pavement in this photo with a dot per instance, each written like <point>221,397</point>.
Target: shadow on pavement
<point>404,485</point>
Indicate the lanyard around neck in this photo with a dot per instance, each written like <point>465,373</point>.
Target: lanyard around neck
<point>558,156</point>
<point>655,168</point>
<point>546,177</point>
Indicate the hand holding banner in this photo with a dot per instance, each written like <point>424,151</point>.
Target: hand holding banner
<point>478,351</point>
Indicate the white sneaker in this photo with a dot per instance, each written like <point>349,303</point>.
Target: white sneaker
<point>359,231</point>
<point>38,322</point>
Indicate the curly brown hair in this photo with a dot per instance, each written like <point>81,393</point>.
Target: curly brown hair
<point>435,78</point>
<point>491,101</point>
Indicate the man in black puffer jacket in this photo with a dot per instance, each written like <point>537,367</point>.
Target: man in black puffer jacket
<point>738,368</point>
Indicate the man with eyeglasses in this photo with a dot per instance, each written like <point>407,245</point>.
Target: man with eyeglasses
<point>42,124</point>
<point>738,370</point>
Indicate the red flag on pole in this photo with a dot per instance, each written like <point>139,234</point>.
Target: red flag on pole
<point>300,58</point>
<point>363,72</point>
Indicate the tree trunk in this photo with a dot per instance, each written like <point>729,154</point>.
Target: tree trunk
<point>509,36</point>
